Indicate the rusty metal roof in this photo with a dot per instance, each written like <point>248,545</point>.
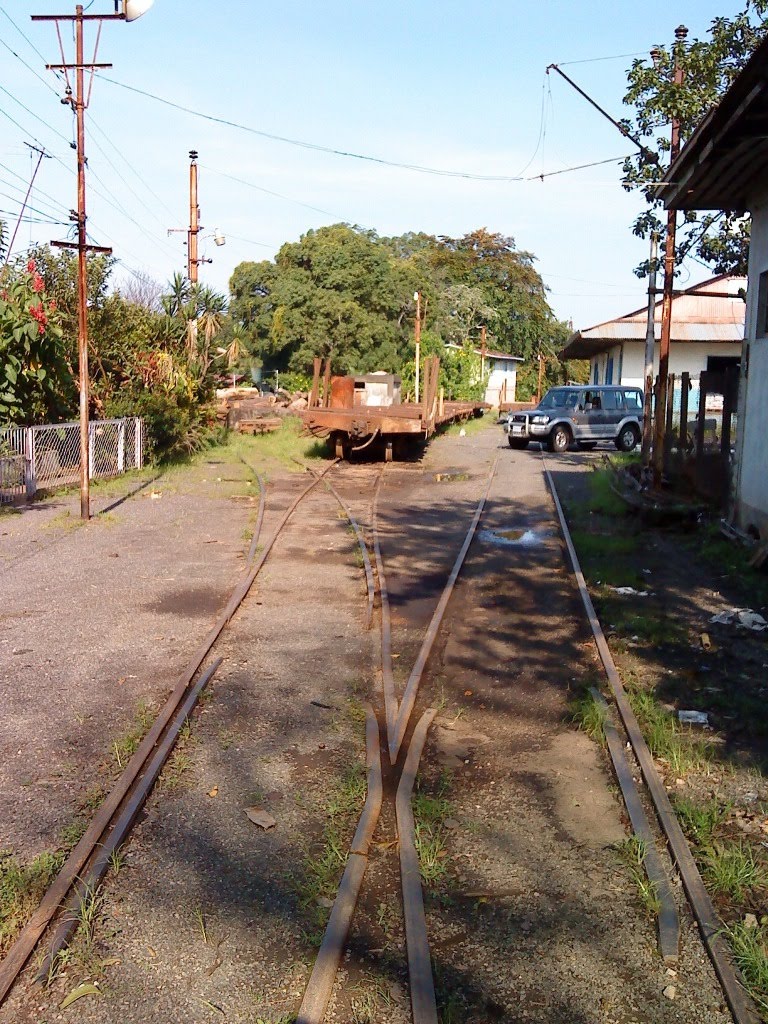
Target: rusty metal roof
<point>722,166</point>
<point>712,312</point>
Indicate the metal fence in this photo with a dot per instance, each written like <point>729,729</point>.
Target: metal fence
<point>48,456</point>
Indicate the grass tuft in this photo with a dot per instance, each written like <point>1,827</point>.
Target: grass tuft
<point>21,888</point>
<point>733,870</point>
<point>750,951</point>
<point>590,716</point>
<point>633,852</point>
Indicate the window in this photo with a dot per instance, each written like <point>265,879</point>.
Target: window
<point>611,400</point>
<point>633,400</point>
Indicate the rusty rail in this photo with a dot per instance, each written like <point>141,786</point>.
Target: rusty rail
<point>668,918</point>
<point>121,828</point>
<point>710,926</point>
<point>22,948</point>
<point>387,675</point>
<point>360,541</point>
<point>422,985</point>
<point>320,986</point>
<point>414,679</point>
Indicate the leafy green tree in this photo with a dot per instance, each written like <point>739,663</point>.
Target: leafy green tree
<point>335,292</point>
<point>345,292</point>
<point>720,240</point>
<point>33,371</point>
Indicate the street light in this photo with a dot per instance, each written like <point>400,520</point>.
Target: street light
<point>125,10</point>
<point>133,9</point>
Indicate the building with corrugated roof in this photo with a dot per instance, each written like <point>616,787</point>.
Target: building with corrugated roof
<point>707,334</point>
<point>722,167</point>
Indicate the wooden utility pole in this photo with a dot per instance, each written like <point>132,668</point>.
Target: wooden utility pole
<point>79,104</point>
<point>669,274</point>
<point>650,345</point>
<point>194,220</point>
<point>417,338</point>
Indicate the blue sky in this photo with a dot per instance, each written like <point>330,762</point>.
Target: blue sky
<point>452,85</point>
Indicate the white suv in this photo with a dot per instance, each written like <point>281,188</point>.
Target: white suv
<point>580,413</point>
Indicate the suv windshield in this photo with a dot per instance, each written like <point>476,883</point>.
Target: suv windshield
<point>559,399</point>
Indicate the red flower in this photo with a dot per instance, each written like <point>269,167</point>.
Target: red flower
<point>37,283</point>
<point>31,266</point>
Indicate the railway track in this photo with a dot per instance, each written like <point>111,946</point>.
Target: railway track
<point>394,745</point>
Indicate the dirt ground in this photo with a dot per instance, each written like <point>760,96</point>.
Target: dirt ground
<point>532,910</point>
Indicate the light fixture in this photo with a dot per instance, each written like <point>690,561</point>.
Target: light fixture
<point>133,9</point>
<point>218,238</point>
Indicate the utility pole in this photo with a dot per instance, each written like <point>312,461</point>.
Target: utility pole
<point>194,220</point>
<point>417,338</point>
<point>669,274</point>
<point>79,104</point>
<point>650,345</point>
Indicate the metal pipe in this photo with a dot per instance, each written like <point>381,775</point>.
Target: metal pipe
<point>423,1002</point>
<point>320,986</point>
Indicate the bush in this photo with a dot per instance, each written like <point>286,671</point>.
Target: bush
<point>175,424</point>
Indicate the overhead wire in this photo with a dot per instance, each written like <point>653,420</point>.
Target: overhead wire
<point>316,147</point>
<point>107,198</point>
<point>269,192</point>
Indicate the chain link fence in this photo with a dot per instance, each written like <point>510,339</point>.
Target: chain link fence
<point>48,456</point>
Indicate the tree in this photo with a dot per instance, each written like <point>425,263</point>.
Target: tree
<point>719,240</point>
<point>335,292</point>
<point>33,371</point>
<point>346,292</point>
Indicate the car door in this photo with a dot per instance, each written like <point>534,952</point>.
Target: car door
<point>611,412</point>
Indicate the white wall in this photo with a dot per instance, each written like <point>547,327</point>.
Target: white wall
<point>751,473</point>
<point>495,383</point>
<point>687,356</point>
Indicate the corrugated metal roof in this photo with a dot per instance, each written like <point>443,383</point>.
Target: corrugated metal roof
<point>711,312</point>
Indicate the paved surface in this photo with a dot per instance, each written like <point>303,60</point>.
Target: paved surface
<point>535,917</point>
<point>96,619</point>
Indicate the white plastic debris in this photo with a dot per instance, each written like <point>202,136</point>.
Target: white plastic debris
<point>693,717</point>
<point>629,592</point>
<point>741,617</point>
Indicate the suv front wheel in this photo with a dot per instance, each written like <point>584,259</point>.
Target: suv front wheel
<point>627,438</point>
<point>559,439</point>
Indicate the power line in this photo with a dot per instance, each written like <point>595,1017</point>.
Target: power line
<point>269,192</point>
<point>36,116</point>
<point>578,167</point>
<point>316,147</point>
<point>595,60</point>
